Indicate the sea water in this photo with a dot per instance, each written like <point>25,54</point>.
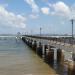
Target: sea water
<point>16,58</point>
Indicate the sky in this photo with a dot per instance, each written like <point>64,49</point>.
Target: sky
<point>27,16</point>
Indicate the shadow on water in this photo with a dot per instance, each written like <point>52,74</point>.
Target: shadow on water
<point>60,69</point>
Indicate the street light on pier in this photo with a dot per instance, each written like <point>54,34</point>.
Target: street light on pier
<point>40,33</point>
<point>72,21</point>
<point>73,55</point>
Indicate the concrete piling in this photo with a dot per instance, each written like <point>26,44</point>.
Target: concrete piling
<point>73,56</point>
<point>45,54</point>
<point>46,47</point>
<point>27,42</point>
<point>23,39</point>
<point>43,51</point>
<point>39,49</point>
<point>71,67</point>
<point>34,45</point>
<point>30,43</point>
<point>60,56</point>
<point>49,55</point>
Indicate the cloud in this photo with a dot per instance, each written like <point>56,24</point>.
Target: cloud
<point>33,5</point>
<point>72,15</point>
<point>45,10</point>
<point>60,8</point>
<point>10,19</point>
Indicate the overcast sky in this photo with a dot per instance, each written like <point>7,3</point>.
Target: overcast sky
<point>53,16</point>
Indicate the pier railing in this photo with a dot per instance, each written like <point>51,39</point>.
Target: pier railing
<point>67,40</point>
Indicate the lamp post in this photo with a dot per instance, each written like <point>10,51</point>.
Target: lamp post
<point>40,33</point>
<point>73,55</point>
<point>72,21</point>
<point>72,27</point>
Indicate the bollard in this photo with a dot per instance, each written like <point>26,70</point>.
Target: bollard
<point>71,67</point>
<point>60,56</point>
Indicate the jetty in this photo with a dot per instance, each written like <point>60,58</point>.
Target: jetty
<point>59,51</point>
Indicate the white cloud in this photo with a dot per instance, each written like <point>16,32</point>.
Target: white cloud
<point>33,5</point>
<point>60,8</point>
<point>72,15</point>
<point>10,19</point>
<point>45,10</point>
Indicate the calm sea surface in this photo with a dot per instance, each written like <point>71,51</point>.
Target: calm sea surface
<point>17,59</point>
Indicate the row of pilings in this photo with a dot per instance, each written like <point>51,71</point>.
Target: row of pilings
<point>46,52</point>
